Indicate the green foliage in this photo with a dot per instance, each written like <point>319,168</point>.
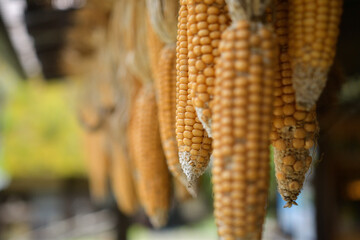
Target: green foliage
<point>41,137</point>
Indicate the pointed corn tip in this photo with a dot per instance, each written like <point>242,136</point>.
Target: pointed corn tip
<point>290,204</point>
<point>192,189</point>
<point>159,219</point>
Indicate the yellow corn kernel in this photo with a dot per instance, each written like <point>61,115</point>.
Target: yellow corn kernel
<point>242,114</point>
<point>206,20</point>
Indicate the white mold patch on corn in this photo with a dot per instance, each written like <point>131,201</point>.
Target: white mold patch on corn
<point>206,125</point>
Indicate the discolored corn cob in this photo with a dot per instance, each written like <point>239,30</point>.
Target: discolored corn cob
<point>166,101</point>
<point>122,181</point>
<point>152,176</point>
<point>97,161</point>
<point>242,115</point>
<point>313,32</point>
<point>193,142</point>
<point>294,128</point>
<point>206,20</point>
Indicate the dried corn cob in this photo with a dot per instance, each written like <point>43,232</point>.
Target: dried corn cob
<point>166,100</point>
<point>242,114</point>
<point>293,127</point>
<point>152,176</point>
<point>97,159</point>
<point>313,32</point>
<point>193,142</point>
<point>206,20</point>
<point>122,181</point>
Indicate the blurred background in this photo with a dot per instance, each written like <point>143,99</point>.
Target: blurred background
<point>44,186</point>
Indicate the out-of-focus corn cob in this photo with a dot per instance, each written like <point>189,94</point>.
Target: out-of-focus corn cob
<point>193,142</point>
<point>97,161</point>
<point>293,126</point>
<point>151,174</point>
<point>122,180</point>
<point>313,32</point>
<point>242,115</point>
<point>206,20</point>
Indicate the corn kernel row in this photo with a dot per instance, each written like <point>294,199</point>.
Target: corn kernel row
<point>206,20</point>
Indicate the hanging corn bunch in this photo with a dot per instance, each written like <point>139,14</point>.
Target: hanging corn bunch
<point>313,32</point>
<point>294,128</point>
<point>242,114</point>
<point>193,142</point>
<point>151,173</point>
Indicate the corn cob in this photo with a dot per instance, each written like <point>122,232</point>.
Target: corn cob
<point>293,126</point>
<point>152,176</point>
<point>206,20</point>
<point>166,101</point>
<point>313,32</point>
<point>122,181</point>
<point>242,114</point>
<point>97,159</point>
<point>193,142</point>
